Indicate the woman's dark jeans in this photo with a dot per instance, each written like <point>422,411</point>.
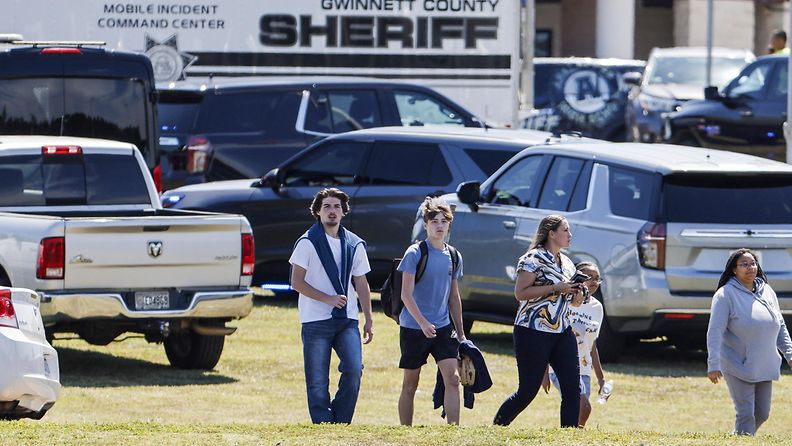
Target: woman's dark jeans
<point>535,350</point>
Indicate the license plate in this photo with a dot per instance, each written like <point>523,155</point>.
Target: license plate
<point>152,300</point>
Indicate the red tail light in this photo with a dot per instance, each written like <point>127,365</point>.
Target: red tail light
<point>199,153</point>
<point>51,256</point>
<point>248,254</point>
<point>61,150</point>
<point>651,245</point>
<point>678,316</point>
<point>7,314</point>
<point>156,174</point>
<point>61,51</point>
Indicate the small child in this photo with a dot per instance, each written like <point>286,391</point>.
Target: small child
<point>586,321</point>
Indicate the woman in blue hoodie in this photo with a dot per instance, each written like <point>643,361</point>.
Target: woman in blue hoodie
<point>746,331</point>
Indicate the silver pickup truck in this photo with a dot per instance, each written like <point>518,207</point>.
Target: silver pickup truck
<point>81,223</point>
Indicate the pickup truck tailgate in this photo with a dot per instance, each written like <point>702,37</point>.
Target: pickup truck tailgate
<point>144,252</point>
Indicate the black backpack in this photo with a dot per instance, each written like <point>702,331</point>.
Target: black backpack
<point>390,295</point>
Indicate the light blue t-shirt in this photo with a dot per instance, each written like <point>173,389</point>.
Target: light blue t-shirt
<point>432,291</point>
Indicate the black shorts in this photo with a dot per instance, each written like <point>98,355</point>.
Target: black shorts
<point>415,347</point>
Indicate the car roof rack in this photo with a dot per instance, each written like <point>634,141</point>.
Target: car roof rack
<point>74,43</point>
<point>560,134</point>
<point>10,37</point>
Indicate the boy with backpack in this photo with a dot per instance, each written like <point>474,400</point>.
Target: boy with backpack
<point>430,305</point>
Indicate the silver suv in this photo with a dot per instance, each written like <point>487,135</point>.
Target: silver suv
<point>659,220</point>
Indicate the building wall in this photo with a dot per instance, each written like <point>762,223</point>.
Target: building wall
<point>733,21</point>
<point>653,28</point>
<point>769,17</point>
<point>548,16</point>
<point>578,24</point>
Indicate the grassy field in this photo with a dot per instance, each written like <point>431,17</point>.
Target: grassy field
<point>127,394</point>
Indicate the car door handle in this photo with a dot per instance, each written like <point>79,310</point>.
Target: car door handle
<point>746,113</point>
<point>508,224</point>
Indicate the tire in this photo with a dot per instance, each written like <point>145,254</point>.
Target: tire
<point>194,351</point>
<point>610,344</point>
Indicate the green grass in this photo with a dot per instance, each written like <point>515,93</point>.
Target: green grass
<point>126,393</point>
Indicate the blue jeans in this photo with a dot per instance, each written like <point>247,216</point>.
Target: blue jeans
<point>318,339</point>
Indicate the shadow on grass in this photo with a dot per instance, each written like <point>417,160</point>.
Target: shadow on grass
<point>80,368</point>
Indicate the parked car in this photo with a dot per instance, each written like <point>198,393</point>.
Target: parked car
<point>81,223</point>
<point>387,172</point>
<point>581,94</point>
<point>79,89</point>
<point>226,129</point>
<point>747,117</point>
<point>672,77</point>
<point>658,220</point>
<point>29,377</point>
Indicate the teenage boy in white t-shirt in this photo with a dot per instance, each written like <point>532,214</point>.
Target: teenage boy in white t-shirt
<point>327,260</point>
<point>586,321</point>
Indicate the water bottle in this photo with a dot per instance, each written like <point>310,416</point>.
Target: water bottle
<point>605,393</point>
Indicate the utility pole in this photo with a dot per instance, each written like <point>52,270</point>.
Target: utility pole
<point>527,32</point>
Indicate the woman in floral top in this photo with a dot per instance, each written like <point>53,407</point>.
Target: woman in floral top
<point>542,332</point>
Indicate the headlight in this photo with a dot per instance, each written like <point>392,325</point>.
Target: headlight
<point>655,104</point>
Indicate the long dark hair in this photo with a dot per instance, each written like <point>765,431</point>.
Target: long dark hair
<point>728,272</point>
<point>549,223</point>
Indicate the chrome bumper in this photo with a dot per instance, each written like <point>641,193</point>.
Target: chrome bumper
<point>204,304</point>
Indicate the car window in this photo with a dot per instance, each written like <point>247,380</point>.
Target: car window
<point>701,198</point>
<point>489,160</point>
<point>354,110</point>
<point>267,112</point>
<point>407,164</point>
<point>560,183</point>
<point>751,82</point>
<point>95,179</point>
<point>580,194</point>
<point>94,108</point>
<point>178,111</point>
<point>317,117</point>
<point>779,88</point>
<point>631,192</point>
<point>692,70</point>
<point>416,108</point>
<point>516,185</point>
<point>331,164</point>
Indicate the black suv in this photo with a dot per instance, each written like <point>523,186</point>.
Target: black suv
<point>78,89</point>
<point>387,172</point>
<point>747,117</point>
<point>225,129</point>
<point>581,94</point>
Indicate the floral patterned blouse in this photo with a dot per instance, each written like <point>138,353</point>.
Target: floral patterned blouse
<point>548,313</point>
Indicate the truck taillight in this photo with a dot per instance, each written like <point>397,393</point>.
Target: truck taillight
<point>248,254</point>
<point>7,314</point>
<point>51,256</point>
<point>651,245</point>
<point>199,153</point>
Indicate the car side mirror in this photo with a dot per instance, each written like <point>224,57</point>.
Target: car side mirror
<point>632,78</point>
<point>711,93</point>
<point>469,192</point>
<point>272,179</point>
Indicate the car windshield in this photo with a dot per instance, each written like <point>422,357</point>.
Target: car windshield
<point>693,70</point>
<point>97,108</point>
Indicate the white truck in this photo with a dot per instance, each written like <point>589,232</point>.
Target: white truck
<point>468,50</point>
<point>81,223</point>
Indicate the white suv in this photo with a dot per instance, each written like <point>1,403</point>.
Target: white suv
<point>659,220</point>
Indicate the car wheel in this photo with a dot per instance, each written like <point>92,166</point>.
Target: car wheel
<point>193,351</point>
<point>610,344</point>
